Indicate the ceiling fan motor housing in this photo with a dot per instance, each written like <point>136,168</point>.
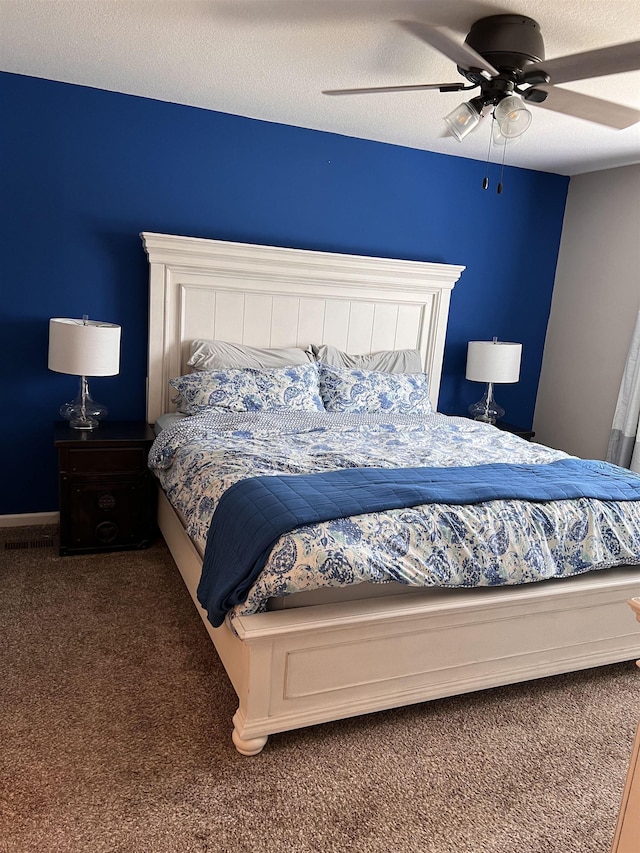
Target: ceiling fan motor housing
<point>509,42</point>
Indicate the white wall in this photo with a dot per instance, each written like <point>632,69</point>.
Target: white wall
<point>595,303</point>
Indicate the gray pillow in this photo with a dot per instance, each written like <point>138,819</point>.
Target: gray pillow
<point>216,355</point>
<point>385,361</point>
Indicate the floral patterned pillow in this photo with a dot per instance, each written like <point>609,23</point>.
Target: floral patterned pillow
<point>296,387</point>
<point>232,390</point>
<point>357,390</point>
<point>247,389</point>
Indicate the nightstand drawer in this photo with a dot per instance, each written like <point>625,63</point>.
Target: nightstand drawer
<point>107,516</point>
<point>107,461</point>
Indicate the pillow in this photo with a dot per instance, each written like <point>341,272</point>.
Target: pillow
<point>210,355</point>
<point>387,361</point>
<point>358,390</point>
<point>232,390</point>
<point>245,389</point>
<point>294,388</point>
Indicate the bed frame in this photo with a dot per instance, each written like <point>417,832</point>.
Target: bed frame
<point>306,665</point>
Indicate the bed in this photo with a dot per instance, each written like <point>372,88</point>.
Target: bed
<point>316,659</point>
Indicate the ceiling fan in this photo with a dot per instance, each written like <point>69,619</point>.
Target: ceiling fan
<point>503,56</point>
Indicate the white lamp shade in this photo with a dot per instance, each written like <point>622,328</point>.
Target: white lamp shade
<point>84,347</point>
<point>493,361</point>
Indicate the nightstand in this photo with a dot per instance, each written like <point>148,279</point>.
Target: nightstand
<point>527,434</point>
<point>107,493</point>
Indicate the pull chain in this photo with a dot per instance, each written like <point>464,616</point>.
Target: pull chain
<point>485,180</point>
<point>504,151</point>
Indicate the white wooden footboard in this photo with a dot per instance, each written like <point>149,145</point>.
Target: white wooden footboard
<point>299,667</point>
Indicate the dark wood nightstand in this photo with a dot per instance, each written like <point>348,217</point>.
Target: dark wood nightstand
<point>527,434</point>
<point>107,493</point>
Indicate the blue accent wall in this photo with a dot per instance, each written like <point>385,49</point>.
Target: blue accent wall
<point>83,171</point>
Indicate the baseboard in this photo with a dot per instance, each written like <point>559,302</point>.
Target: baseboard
<point>29,519</point>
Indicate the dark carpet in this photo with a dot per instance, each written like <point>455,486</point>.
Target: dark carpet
<point>115,735</point>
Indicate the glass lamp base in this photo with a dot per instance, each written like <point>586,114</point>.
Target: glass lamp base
<point>83,412</point>
<point>486,409</point>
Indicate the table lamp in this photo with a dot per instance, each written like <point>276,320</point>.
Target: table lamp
<point>84,348</point>
<point>491,362</point>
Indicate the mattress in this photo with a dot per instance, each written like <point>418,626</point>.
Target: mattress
<point>167,420</point>
<point>498,543</point>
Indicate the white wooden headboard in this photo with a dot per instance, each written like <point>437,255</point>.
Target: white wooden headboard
<point>269,296</point>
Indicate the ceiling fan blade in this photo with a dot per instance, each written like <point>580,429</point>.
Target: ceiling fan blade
<point>593,63</point>
<point>446,42</point>
<point>588,108</point>
<point>448,87</point>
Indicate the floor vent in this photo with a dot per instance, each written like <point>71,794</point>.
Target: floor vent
<point>24,544</point>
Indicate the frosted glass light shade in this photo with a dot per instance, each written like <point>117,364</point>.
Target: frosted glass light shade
<point>512,116</point>
<point>84,347</point>
<point>493,361</point>
<point>499,139</point>
<point>462,121</point>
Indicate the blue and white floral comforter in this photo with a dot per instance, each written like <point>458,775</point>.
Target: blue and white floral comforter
<point>487,544</point>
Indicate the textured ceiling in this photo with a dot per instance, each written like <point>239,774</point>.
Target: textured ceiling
<point>271,59</point>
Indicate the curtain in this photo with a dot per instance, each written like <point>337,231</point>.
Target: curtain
<point>624,442</point>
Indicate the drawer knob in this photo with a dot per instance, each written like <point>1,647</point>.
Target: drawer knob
<point>106,532</point>
<point>107,501</point>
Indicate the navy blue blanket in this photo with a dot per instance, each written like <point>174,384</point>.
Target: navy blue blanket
<point>252,514</point>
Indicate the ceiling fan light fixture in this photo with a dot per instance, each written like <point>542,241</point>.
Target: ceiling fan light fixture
<point>512,116</point>
<point>465,118</point>
<point>498,139</point>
